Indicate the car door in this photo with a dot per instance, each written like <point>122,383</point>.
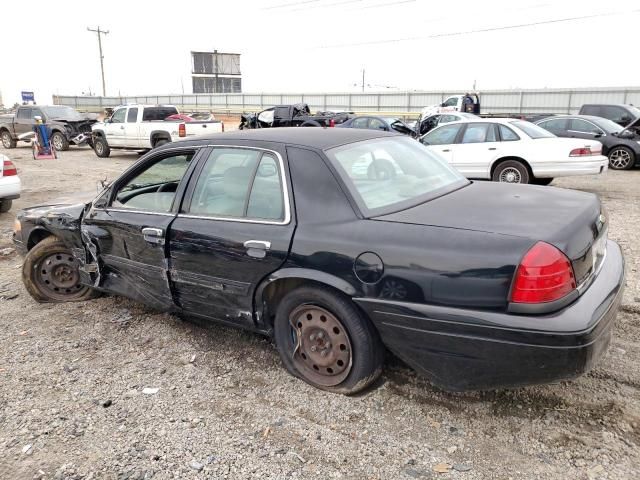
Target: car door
<point>475,149</point>
<point>579,128</point>
<point>441,140</point>
<point>132,128</point>
<point>23,122</point>
<point>127,227</point>
<point>114,128</point>
<point>234,229</point>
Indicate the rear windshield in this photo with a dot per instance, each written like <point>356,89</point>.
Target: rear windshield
<point>391,174</point>
<point>157,113</point>
<point>533,131</point>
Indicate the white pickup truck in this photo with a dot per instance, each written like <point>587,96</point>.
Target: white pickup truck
<point>455,103</point>
<point>142,127</point>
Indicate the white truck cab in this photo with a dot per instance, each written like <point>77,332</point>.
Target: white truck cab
<point>455,103</point>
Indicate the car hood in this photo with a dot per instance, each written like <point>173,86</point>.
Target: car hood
<point>567,219</point>
<point>70,204</point>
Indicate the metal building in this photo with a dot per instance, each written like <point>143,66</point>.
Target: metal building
<point>214,72</point>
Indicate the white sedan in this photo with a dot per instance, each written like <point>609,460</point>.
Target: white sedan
<point>9,183</point>
<point>513,151</point>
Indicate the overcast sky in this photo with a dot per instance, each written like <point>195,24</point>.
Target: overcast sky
<point>319,45</point>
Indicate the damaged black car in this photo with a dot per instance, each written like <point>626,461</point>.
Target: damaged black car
<point>340,244</point>
<point>66,125</point>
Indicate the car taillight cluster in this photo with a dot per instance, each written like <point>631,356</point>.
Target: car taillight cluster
<point>545,274</point>
<point>9,169</point>
<point>182,130</point>
<point>581,152</point>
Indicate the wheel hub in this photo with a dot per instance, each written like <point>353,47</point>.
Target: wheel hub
<point>510,175</point>
<point>58,276</point>
<point>322,347</point>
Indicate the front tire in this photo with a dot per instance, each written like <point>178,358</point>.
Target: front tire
<point>511,171</point>
<point>5,205</point>
<point>326,341</point>
<point>7,140</point>
<point>50,274</point>
<point>59,141</point>
<point>101,148</point>
<point>621,158</point>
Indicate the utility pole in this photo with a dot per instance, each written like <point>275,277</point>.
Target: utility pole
<point>363,80</point>
<point>101,32</point>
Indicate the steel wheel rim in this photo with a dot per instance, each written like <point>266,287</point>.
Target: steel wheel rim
<point>57,276</point>
<point>99,148</point>
<point>510,175</point>
<point>322,348</point>
<point>57,142</point>
<point>619,159</point>
<point>6,140</point>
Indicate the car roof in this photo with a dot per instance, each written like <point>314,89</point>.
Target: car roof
<point>591,118</point>
<point>485,120</point>
<point>314,137</point>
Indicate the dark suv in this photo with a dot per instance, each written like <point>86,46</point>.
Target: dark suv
<point>621,114</point>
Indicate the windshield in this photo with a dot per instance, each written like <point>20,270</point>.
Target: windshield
<point>390,174</point>
<point>533,131</point>
<point>608,126</point>
<point>66,113</point>
<point>635,111</point>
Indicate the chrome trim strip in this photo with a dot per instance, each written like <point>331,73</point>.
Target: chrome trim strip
<point>124,210</point>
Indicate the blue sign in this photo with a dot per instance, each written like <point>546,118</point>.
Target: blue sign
<point>28,97</point>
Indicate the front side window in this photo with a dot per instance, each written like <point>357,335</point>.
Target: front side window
<point>118,115</point>
<point>154,188</point>
<point>240,183</point>
<point>450,102</point>
<point>393,173</point>
<point>448,118</point>
<point>442,135</point>
<point>24,113</point>
<point>132,115</point>
<point>360,122</point>
<point>377,124</point>
<point>533,131</point>
<point>582,126</point>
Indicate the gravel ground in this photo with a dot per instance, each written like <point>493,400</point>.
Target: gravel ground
<point>110,389</point>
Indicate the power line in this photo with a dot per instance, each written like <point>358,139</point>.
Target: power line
<point>480,30</point>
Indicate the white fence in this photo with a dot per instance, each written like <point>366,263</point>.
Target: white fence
<point>560,100</point>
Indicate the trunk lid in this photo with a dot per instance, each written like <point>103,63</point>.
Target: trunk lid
<point>570,220</point>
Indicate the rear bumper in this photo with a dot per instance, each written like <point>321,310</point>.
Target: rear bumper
<point>10,187</point>
<point>566,168</point>
<point>461,349</point>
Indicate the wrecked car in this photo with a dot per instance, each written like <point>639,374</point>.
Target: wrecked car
<point>306,235</point>
<point>297,115</point>
<point>67,125</point>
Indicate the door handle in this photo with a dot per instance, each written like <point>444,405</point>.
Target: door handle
<point>492,148</point>
<point>122,127</point>
<point>447,150</point>
<point>153,235</point>
<point>257,248</point>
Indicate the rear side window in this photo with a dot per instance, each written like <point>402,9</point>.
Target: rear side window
<point>555,125</point>
<point>132,115</point>
<point>24,113</point>
<point>151,114</point>
<point>507,135</point>
<point>475,133</point>
<point>240,183</point>
<point>590,110</point>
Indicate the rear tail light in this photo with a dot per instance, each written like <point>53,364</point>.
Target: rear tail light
<point>581,152</point>
<point>182,130</point>
<point>544,275</point>
<point>9,169</point>
<point>332,123</point>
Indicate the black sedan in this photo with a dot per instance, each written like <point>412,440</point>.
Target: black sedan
<point>382,124</point>
<point>295,234</point>
<point>620,145</point>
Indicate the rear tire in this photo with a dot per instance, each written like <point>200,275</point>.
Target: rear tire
<point>511,171</point>
<point>50,274</point>
<point>5,205</point>
<point>541,181</point>
<point>621,158</point>
<point>59,141</point>
<point>101,148</point>
<point>333,346</point>
<point>7,140</point>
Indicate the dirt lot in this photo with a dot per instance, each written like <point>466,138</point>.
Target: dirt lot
<point>72,377</point>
